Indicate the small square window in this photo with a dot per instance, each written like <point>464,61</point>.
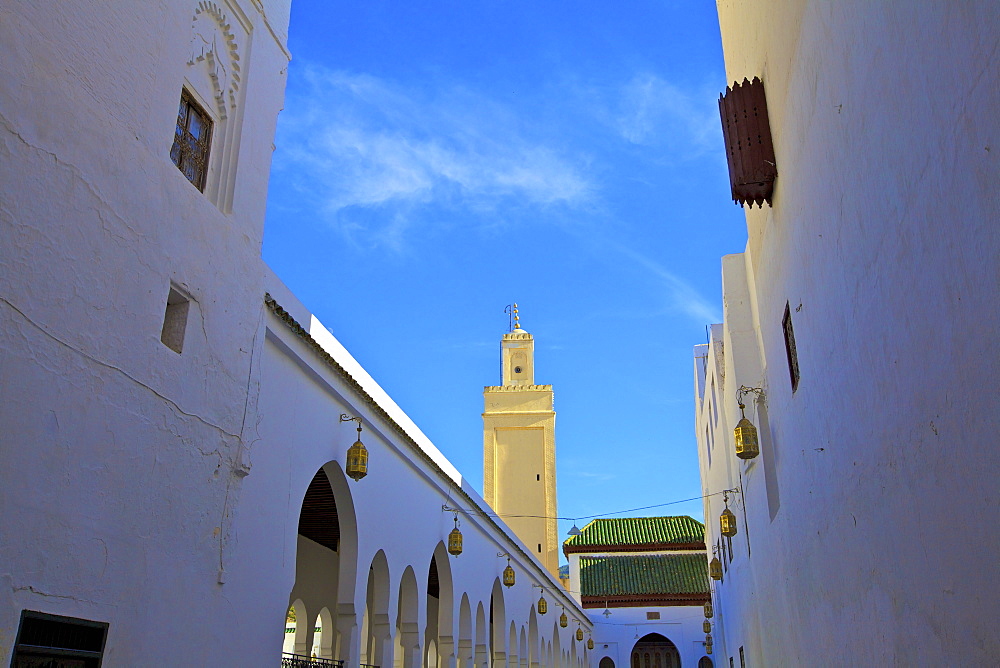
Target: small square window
<point>790,352</point>
<point>192,139</point>
<point>652,615</point>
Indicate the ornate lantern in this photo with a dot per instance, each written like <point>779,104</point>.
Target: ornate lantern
<point>590,643</point>
<point>455,540</point>
<point>708,638</point>
<point>508,575</point>
<point>709,611</point>
<point>543,605</point>
<point>579,633</point>
<point>715,568</point>
<point>727,523</point>
<point>563,620</point>
<point>747,445</point>
<point>357,454</point>
<point>706,626</point>
<point>708,649</point>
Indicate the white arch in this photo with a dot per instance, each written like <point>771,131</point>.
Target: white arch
<point>465,649</point>
<point>407,634</point>
<point>377,634</point>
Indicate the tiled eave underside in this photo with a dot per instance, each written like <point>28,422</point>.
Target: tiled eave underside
<point>645,600</point>
<point>367,399</point>
<point>633,547</point>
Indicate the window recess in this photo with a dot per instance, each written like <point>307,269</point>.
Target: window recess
<point>175,320</point>
<point>790,352</point>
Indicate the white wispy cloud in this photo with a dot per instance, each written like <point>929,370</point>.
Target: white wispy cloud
<point>683,295</point>
<point>359,142</point>
<point>653,111</point>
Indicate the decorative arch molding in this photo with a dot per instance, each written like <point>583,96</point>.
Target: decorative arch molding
<point>217,63</point>
<point>214,44</point>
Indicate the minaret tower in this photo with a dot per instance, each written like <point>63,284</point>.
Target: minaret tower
<point>519,448</point>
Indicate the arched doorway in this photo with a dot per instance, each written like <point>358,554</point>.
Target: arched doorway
<point>295,632</point>
<point>705,662</point>
<point>655,651</point>
<point>606,662</point>
<point>498,626</point>
<point>325,566</point>
<point>376,636</point>
<point>465,649</point>
<point>440,613</point>
<point>407,635</point>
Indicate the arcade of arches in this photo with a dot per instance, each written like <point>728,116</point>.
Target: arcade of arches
<point>420,618</point>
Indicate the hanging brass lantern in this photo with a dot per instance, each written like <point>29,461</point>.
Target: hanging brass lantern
<point>357,454</point>
<point>563,620</point>
<point>590,643</point>
<point>543,606</point>
<point>709,611</point>
<point>747,446</point>
<point>727,523</point>
<point>715,568</point>
<point>508,575</point>
<point>579,633</point>
<point>708,649</point>
<point>455,540</point>
<point>708,638</point>
<point>706,626</point>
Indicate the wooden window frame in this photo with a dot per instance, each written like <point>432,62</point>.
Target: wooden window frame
<point>191,153</point>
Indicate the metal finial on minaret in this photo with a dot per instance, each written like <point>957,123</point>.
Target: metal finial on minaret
<point>517,325</point>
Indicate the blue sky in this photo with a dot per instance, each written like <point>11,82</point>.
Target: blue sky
<point>438,161</point>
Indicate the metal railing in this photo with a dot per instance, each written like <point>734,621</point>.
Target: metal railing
<point>301,661</point>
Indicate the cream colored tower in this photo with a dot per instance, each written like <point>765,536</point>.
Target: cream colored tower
<point>519,449</point>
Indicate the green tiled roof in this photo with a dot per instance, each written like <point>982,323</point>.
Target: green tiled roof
<point>660,575</point>
<point>638,532</point>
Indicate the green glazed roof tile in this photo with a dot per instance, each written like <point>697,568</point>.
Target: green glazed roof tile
<point>638,531</point>
<point>670,574</point>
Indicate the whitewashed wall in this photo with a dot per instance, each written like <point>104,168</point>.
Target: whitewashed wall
<point>883,240</point>
<point>616,636</point>
<point>397,506</point>
<point>118,454</point>
<point>157,491</point>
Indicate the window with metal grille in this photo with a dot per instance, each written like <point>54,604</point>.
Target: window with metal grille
<point>749,147</point>
<point>192,139</point>
<point>53,640</point>
<point>790,352</point>
<point>742,663</point>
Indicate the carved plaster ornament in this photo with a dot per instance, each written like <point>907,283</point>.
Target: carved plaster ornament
<point>214,45</point>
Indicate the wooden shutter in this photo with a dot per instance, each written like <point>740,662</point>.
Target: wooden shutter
<point>749,149</point>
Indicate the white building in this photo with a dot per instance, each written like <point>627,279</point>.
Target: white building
<point>863,314</point>
<point>172,463</point>
<point>643,581</point>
